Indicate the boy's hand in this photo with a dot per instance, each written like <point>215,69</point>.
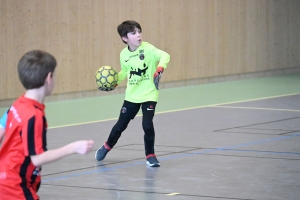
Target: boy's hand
<point>157,75</point>
<point>80,147</point>
<point>108,89</point>
<point>84,146</point>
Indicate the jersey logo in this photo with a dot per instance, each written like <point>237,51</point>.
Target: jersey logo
<point>15,113</point>
<point>36,171</point>
<point>142,56</point>
<point>2,175</point>
<point>131,57</point>
<point>150,108</point>
<point>139,72</point>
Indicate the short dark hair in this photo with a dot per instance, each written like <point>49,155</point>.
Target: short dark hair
<point>34,67</point>
<point>127,27</point>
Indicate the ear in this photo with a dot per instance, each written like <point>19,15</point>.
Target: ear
<point>49,77</point>
<point>124,38</point>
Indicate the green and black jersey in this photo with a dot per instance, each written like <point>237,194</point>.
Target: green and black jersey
<point>139,67</point>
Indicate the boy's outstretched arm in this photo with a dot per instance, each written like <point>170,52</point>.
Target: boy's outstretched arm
<point>80,147</point>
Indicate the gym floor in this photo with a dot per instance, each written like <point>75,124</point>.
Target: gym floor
<point>229,140</point>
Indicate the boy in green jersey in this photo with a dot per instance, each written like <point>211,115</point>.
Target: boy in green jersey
<point>142,64</point>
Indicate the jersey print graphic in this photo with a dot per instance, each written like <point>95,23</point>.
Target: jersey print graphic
<point>139,72</point>
<point>138,75</point>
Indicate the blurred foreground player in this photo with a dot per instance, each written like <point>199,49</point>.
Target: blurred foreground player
<point>24,149</point>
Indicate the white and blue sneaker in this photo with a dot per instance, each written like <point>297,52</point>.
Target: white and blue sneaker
<point>102,151</point>
<point>152,161</point>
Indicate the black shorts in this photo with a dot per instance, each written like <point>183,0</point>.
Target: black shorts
<point>130,109</point>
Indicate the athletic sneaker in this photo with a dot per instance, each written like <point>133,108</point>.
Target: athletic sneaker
<point>102,151</point>
<point>152,161</point>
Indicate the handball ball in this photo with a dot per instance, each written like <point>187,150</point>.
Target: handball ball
<point>106,77</point>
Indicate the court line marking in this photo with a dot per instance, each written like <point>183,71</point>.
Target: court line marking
<point>266,152</point>
<point>176,110</point>
<point>256,108</point>
<point>203,152</point>
<point>219,104</point>
<point>172,194</point>
<point>145,192</point>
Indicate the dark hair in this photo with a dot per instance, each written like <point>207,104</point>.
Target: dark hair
<point>34,67</point>
<point>127,27</point>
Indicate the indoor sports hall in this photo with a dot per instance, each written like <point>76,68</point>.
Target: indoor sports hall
<point>229,140</point>
<point>227,121</point>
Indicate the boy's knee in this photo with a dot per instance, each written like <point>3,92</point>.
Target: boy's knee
<point>118,128</point>
<point>121,126</point>
<point>148,127</point>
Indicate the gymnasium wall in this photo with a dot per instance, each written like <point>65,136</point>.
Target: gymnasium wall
<point>205,38</point>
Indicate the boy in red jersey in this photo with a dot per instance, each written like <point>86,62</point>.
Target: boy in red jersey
<point>24,149</point>
<point>142,64</point>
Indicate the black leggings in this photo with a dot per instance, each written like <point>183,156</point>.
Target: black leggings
<point>128,112</point>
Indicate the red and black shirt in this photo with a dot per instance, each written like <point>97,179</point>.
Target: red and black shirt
<point>25,136</point>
